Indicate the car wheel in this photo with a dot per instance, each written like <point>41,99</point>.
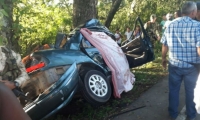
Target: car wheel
<point>96,88</point>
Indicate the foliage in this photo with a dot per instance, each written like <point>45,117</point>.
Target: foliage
<point>37,23</point>
<point>3,14</point>
<point>126,15</point>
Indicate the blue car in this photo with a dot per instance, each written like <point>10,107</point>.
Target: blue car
<point>75,64</point>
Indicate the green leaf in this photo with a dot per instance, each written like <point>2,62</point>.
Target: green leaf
<point>4,12</point>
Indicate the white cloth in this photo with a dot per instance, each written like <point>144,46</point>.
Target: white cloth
<point>197,95</point>
<point>118,36</point>
<point>128,34</point>
<point>23,76</point>
<point>122,77</point>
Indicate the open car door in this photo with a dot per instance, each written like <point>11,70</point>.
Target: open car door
<point>139,50</point>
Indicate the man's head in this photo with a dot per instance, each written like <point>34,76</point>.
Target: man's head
<point>117,30</point>
<point>153,18</point>
<point>164,17</point>
<point>137,28</point>
<point>128,29</point>
<point>198,11</point>
<point>177,14</point>
<point>189,9</point>
<point>169,16</point>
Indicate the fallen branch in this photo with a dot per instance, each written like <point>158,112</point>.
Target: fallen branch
<point>112,116</point>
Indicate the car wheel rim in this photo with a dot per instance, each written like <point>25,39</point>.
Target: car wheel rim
<point>98,85</point>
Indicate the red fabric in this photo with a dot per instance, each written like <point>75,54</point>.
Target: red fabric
<point>35,67</point>
<point>122,77</point>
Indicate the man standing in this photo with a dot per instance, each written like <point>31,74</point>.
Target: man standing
<point>182,39</point>
<point>162,23</point>
<point>169,20</point>
<point>128,34</point>
<point>152,28</point>
<point>118,37</point>
<point>177,14</point>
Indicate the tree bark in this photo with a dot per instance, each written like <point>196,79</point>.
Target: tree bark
<point>83,10</point>
<point>6,28</point>
<point>112,12</point>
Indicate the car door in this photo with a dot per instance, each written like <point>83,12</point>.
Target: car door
<point>139,50</point>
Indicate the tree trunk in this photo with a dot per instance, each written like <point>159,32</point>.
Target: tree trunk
<point>83,10</point>
<point>113,10</point>
<point>6,28</point>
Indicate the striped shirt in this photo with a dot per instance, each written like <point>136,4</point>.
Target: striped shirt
<point>182,37</point>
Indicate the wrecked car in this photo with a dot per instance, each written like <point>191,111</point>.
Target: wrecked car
<point>74,63</point>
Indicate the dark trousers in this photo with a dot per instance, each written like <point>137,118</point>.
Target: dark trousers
<point>176,76</point>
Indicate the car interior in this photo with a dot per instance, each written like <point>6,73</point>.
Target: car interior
<point>135,52</point>
<point>138,50</point>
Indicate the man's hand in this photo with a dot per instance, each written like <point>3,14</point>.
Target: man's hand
<point>164,63</point>
<point>198,50</point>
<point>9,84</point>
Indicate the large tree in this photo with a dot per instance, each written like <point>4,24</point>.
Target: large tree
<point>83,10</point>
<point>112,12</point>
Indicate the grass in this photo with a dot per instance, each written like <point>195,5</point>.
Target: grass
<point>146,76</point>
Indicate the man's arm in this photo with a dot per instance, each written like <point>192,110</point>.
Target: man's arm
<point>126,35</point>
<point>158,31</point>
<point>164,55</point>
<point>10,108</point>
<point>157,35</point>
<point>198,50</point>
<point>146,25</point>
<point>23,76</point>
<point>121,36</point>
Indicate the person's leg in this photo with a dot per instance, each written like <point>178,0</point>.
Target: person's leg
<point>10,108</point>
<point>190,83</point>
<point>175,79</point>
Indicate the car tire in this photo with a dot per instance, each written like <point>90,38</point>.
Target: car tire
<point>96,88</point>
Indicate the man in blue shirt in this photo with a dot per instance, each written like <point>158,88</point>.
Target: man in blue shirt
<point>182,40</point>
